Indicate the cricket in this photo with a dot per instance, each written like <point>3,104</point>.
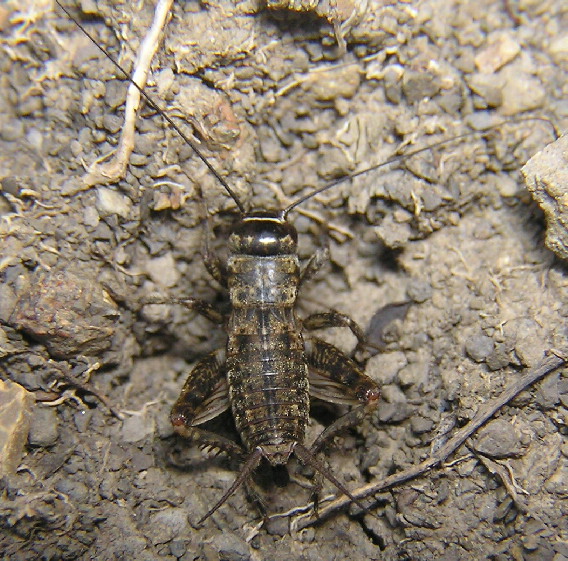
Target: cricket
<point>273,278</point>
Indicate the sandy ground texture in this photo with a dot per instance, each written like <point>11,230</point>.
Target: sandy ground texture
<point>452,236</point>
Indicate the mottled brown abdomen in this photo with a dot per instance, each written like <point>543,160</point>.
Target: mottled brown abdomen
<point>266,365</point>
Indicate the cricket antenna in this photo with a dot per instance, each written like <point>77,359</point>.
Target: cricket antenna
<point>401,157</point>
<point>155,107</point>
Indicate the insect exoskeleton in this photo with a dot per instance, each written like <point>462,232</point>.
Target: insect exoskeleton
<point>268,372</point>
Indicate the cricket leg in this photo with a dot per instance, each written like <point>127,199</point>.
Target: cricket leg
<point>336,378</point>
<point>204,396</point>
<point>200,306</point>
<point>314,264</point>
<point>334,319</point>
<point>212,262</point>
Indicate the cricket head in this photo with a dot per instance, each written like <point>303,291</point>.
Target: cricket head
<point>263,233</point>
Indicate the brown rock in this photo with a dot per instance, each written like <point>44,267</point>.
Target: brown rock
<point>15,409</point>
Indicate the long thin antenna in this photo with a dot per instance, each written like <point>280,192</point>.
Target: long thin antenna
<point>401,157</point>
<point>154,106</point>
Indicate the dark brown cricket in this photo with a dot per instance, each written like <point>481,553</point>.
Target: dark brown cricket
<point>267,373</point>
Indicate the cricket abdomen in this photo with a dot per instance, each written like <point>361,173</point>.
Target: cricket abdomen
<point>266,365</point>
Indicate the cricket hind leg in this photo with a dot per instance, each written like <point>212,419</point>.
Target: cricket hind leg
<point>307,457</point>
<point>253,489</point>
<point>204,396</point>
<point>251,463</point>
<point>336,378</point>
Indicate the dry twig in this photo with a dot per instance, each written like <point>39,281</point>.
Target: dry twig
<point>114,170</point>
<point>486,411</point>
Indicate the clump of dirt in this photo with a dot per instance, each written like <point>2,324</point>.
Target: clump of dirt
<point>451,236</point>
<point>546,175</point>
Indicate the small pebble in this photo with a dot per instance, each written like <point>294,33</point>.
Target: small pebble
<point>111,202</point>
<point>137,427</point>
<point>479,347</point>
<point>44,429</point>
<point>498,439</point>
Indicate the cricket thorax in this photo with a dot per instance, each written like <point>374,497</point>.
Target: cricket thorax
<point>263,281</point>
